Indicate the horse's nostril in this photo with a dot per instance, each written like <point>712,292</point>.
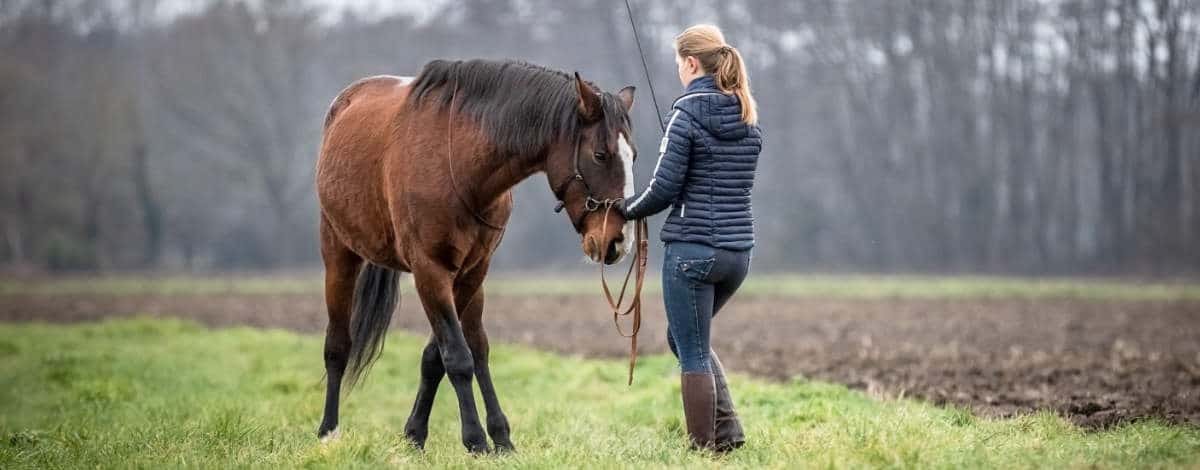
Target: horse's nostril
<point>613,252</point>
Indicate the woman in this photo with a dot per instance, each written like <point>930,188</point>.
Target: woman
<point>705,172</point>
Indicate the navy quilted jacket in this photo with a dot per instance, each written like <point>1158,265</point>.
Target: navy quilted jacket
<point>705,171</point>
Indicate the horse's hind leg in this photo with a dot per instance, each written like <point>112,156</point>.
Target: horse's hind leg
<point>472,323</point>
<point>341,270</point>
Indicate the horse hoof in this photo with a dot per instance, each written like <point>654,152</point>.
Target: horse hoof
<point>478,449</point>
<point>418,444</point>
<point>505,447</point>
<point>329,436</point>
<point>416,437</point>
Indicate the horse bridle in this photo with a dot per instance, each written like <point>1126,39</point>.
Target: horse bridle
<point>637,268</point>
<point>590,204</point>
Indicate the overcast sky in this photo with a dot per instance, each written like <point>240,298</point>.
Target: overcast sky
<point>419,9</point>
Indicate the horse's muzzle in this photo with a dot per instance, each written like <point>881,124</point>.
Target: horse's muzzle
<point>615,251</point>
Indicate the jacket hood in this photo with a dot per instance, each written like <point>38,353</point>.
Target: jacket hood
<point>720,114</point>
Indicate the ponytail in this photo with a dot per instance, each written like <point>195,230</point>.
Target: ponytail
<point>732,78</point>
<point>707,44</point>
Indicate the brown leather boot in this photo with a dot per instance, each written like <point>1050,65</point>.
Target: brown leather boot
<point>728,433</point>
<point>699,408</point>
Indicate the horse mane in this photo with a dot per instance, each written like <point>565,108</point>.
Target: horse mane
<point>522,107</point>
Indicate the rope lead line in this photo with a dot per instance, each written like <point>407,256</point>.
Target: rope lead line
<point>645,68</point>
<point>641,253</point>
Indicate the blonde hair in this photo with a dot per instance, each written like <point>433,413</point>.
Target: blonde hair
<point>707,44</point>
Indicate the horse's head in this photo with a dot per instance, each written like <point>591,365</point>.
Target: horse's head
<point>593,172</point>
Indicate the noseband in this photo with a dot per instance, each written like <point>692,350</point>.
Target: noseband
<point>591,204</point>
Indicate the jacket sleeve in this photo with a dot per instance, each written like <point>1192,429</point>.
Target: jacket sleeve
<point>670,172</point>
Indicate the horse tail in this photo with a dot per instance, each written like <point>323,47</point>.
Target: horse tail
<point>376,295</point>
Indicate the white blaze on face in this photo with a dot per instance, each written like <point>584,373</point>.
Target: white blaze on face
<point>626,152</point>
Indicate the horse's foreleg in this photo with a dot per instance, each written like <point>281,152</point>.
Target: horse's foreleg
<point>472,323</point>
<point>416,429</point>
<point>437,296</point>
<point>341,270</point>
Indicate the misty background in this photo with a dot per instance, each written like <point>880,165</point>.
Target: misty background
<point>939,136</point>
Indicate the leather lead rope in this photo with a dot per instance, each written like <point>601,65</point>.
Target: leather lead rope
<point>641,254</point>
<point>645,68</point>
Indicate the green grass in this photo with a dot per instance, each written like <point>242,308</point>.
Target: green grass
<point>787,285</point>
<point>166,393</point>
<point>165,285</point>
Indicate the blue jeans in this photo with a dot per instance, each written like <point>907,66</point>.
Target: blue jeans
<point>697,281</point>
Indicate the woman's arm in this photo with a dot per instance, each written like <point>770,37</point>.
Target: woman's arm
<point>670,172</point>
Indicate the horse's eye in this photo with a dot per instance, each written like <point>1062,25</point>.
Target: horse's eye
<point>600,156</point>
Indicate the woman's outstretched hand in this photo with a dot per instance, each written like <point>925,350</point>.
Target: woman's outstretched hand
<point>624,208</point>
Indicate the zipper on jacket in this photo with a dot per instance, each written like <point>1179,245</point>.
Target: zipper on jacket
<point>682,207</point>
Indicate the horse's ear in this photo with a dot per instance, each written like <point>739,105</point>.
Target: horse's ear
<point>626,97</point>
<point>589,102</point>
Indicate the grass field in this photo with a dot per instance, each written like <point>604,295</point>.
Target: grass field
<point>155,393</point>
<point>785,285</point>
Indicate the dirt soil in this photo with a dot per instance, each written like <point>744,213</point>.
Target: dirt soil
<point>1096,363</point>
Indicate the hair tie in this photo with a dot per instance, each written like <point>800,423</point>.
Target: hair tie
<point>726,48</point>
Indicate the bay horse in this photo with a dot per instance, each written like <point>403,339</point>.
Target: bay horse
<point>415,175</point>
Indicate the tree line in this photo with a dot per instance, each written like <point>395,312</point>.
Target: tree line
<point>1011,136</point>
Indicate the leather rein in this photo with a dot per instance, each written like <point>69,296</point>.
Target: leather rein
<point>641,253</point>
<point>638,264</point>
